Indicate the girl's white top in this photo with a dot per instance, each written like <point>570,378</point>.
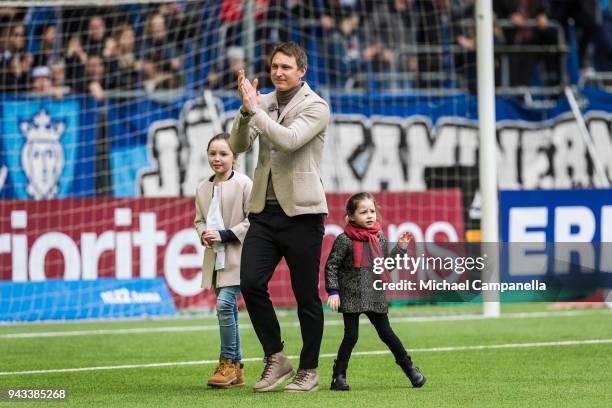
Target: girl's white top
<point>214,221</point>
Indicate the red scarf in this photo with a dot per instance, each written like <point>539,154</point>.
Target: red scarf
<point>363,237</point>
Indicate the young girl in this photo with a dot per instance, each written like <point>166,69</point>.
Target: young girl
<point>221,221</point>
<point>349,283</point>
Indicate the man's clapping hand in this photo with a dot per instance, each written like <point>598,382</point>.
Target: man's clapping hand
<point>248,92</point>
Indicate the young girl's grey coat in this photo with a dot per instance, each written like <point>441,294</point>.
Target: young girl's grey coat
<point>355,286</point>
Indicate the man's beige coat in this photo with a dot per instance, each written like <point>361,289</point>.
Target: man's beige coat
<point>290,150</point>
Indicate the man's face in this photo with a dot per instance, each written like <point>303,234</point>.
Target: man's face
<point>18,38</point>
<point>158,27</point>
<point>94,67</point>
<point>97,28</point>
<point>41,84</point>
<point>285,73</point>
<point>49,35</point>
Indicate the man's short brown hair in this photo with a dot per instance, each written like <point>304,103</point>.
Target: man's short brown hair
<point>293,50</point>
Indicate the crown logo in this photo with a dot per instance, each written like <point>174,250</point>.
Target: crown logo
<point>42,129</point>
<point>42,155</point>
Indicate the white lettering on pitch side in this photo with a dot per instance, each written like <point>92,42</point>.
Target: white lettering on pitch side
<point>81,263</point>
<point>125,296</point>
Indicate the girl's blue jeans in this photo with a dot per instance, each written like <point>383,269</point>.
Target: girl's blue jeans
<point>227,313</point>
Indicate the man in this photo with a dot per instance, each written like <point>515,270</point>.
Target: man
<point>15,63</point>
<point>42,83</point>
<point>287,209</point>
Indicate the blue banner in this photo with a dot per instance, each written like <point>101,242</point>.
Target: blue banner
<point>460,106</point>
<point>129,122</point>
<point>101,298</point>
<point>562,237</point>
<point>556,216</point>
<point>129,119</point>
<point>48,148</point>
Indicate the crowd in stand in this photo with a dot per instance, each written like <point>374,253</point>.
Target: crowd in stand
<point>93,51</point>
<point>55,51</point>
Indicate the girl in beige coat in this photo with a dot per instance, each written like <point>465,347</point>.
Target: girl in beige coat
<point>221,221</point>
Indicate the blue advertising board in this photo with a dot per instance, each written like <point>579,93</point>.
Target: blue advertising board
<point>100,298</point>
<point>556,215</point>
<point>562,236</point>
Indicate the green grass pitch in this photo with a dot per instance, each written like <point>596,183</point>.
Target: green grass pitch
<point>530,357</point>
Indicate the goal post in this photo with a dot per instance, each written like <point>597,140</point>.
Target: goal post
<point>489,223</point>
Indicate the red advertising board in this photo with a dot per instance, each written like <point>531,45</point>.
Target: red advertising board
<point>86,239</point>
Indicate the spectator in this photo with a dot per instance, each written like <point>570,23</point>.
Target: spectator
<point>333,11</point>
<point>344,52</point>
<point>159,45</point>
<point>584,14</point>
<point>299,15</point>
<point>464,34</point>
<point>95,40</point>
<point>176,23</point>
<point>341,41</point>
<point>123,63</point>
<point>432,20</point>
<point>287,20</point>
<point>232,13</point>
<point>520,12</point>
<point>276,26</point>
<point>602,60</point>
<point>193,15</point>
<point>462,14</point>
<point>14,63</point>
<point>76,59</point>
<point>302,10</point>
<point>58,75</point>
<point>263,73</point>
<point>226,79</point>
<point>389,27</point>
<point>9,15</point>
<point>284,20</point>
<point>154,76</point>
<point>94,80</point>
<point>47,33</point>
<point>42,83</point>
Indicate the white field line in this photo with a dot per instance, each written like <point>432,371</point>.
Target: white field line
<point>328,355</point>
<point>334,322</point>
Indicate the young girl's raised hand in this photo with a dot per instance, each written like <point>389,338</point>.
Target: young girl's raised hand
<point>333,301</point>
<point>405,239</point>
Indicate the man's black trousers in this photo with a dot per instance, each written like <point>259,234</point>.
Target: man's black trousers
<point>272,236</point>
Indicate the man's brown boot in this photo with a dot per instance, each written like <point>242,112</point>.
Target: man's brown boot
<point>304,380</point>
<point>224,375</point>
<point>278,368</point>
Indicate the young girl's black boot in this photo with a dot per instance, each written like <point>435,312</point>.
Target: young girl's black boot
<point>339,376</point>
<point>416,378</point>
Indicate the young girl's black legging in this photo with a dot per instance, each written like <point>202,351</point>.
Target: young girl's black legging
<point>383,328</point>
